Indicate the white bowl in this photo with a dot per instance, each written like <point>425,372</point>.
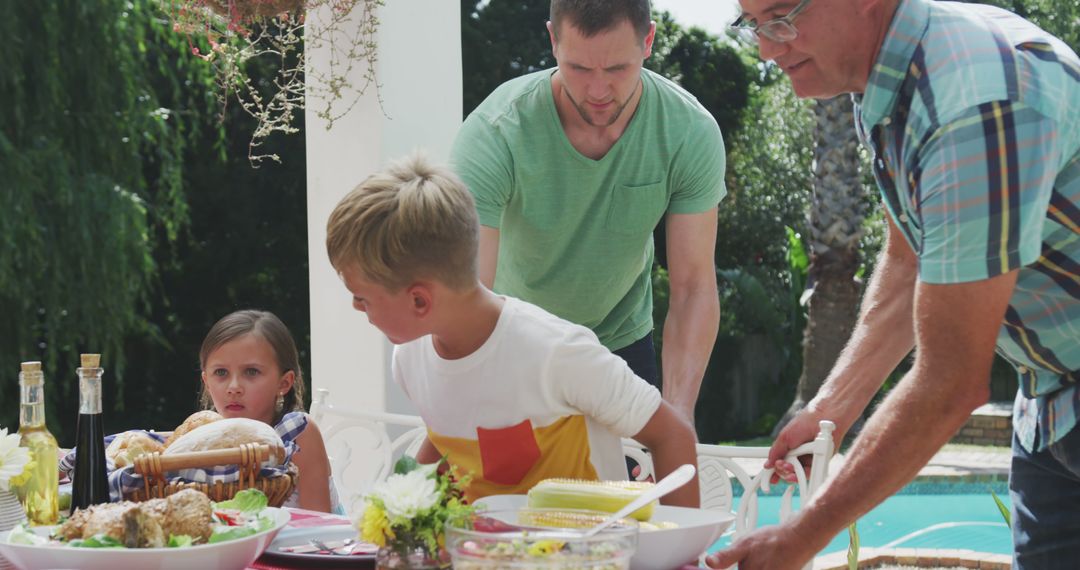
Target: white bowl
<point>662,549</point>
<point>229,555</point>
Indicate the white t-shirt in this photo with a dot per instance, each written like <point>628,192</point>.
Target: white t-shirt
<point>540,398</point>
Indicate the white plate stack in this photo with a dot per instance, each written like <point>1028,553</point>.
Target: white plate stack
<point>11,514</point>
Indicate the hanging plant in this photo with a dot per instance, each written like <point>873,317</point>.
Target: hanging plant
<point>232,34</point>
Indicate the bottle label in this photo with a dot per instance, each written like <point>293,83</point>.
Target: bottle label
<point>89,394</point>
<point>32,405</point>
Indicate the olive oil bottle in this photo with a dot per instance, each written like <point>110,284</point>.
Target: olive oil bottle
<point>39,492</point>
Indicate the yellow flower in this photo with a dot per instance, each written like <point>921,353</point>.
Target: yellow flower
<point>375,526</point>
<point>544,547</point>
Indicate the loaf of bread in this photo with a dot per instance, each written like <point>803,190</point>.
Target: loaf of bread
<point>232,432</point>
<point>193,421</point>
<point>127,446</point>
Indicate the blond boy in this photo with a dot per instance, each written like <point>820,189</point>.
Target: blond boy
<point>507,390</point>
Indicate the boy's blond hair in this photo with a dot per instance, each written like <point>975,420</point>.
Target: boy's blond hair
<point>412,221</point>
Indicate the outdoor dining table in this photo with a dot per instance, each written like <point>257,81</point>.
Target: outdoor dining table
<point>306,519</point>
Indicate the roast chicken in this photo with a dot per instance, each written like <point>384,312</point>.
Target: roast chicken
<point>148,524</point>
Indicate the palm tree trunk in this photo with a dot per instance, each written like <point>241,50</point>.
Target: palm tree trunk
<point>836,225</point>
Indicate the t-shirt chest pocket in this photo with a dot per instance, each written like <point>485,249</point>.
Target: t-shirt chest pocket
<point>508,454</point>
<point>636,209</point>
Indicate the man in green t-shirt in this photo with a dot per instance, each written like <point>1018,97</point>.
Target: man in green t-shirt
<point>572,169</point>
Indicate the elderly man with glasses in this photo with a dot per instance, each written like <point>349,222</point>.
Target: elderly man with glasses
<point>972,115</point>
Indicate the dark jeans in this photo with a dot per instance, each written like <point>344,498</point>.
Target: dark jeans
<point>641,356</point>
<point>1045,491</point>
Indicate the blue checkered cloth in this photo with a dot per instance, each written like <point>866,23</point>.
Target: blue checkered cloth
<point>124,481</point>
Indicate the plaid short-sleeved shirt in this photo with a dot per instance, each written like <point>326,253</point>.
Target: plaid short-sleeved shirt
<point>973,116</point>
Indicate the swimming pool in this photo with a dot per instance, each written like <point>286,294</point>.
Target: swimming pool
<point>922,515</point>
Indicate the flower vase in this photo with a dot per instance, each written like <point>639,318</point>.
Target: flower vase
<point>11,514</point>
<point>415,558</point>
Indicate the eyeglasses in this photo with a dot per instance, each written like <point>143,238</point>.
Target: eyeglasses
<point>777,30</point>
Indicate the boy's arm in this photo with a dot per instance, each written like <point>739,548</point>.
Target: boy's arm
<point>427,453</point>
<point>671,442</point>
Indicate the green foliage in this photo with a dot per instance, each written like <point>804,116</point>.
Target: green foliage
<point>501,40</point>
<point>751,308</point>
<point>1059,17</point>
<point>132,219</point>
<point>706,66</point>
<point>853,548</point>
<point>759,252</point>
<point>1002,508</point>
<point>769,181</point>
<point>661,286</point>
<point>91,162</point>
<point>405,464</point>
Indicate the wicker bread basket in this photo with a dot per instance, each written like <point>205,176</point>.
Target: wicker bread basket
<point>248,457</point>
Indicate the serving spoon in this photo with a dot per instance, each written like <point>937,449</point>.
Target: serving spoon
<point>674,480</point>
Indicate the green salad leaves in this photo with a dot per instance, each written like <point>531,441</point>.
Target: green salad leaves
<point>240,516</point>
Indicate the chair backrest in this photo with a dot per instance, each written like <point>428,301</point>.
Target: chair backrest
<point>718,465</point>
<point>379,438</point>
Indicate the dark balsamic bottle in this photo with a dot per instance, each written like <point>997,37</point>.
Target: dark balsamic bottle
<point>89,485</point>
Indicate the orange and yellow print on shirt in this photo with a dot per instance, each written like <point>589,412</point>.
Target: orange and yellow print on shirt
<point>512,459</point>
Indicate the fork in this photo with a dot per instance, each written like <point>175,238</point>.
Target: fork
<point>346,548</point>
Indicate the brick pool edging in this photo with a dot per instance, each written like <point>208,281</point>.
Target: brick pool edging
<point>916,557</point>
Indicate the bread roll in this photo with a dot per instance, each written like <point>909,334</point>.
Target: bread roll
<point>232,432</point>
<point>193,421</point>
<point>127,446</point>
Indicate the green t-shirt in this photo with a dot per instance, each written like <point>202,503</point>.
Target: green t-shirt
<point>575,234</point>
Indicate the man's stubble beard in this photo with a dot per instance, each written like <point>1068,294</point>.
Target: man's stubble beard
<point>614,116</point>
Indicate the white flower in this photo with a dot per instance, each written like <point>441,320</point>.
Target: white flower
<point>405,496</point>
<point>12,457</point>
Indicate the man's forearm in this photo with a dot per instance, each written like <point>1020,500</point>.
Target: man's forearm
<point>915,421</point>
<point>956,327</point>
<point>689,335</point>
<point>883,335</point>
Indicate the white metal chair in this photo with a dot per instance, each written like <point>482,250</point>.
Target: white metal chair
<point>349,434</point>
<point>719,464</point>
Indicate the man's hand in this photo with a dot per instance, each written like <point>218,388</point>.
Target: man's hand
<point>767,548</point>
<point>803,428</point>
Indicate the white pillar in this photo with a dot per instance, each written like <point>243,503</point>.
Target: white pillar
<point>419,71</point>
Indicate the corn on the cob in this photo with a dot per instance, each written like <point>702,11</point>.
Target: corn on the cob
<point>559,519</point>
<point>606,496</point>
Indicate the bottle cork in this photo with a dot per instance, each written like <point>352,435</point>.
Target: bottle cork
<point>90,360</point>
<point>30,374</point>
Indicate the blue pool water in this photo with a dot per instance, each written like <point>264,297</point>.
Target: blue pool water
<point>961,516</point>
